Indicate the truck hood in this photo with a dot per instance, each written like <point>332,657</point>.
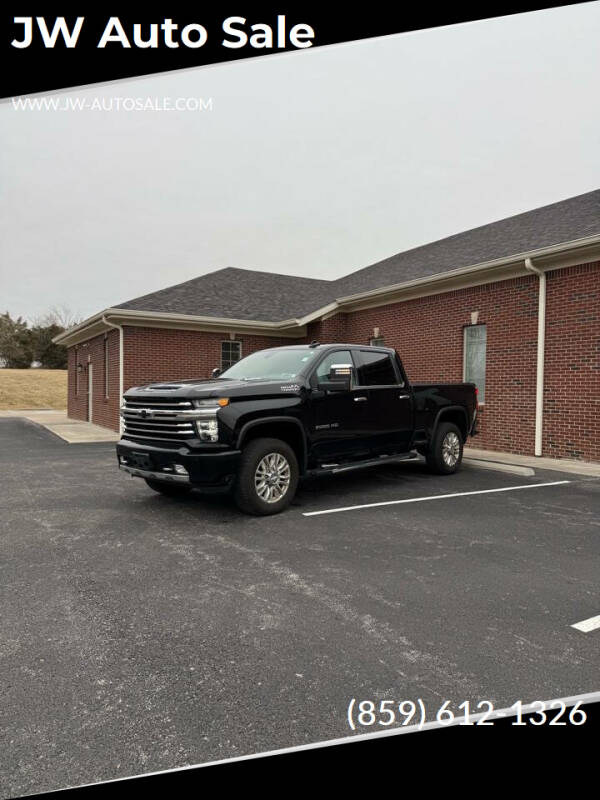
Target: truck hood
<point>198,389</point>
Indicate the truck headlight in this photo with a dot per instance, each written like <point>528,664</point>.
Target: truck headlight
<point>208,429</point>
<point>207,425</point>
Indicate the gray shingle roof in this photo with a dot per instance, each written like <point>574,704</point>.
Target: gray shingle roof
<point>247,294</point>
<point>237,294</point>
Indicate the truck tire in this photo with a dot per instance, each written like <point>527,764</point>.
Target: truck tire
<point>445,453</point>
<point>169,489</point>
<point>267,477</point>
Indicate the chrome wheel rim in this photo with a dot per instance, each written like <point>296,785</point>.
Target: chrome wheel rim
<point>450,449</point>
<point>272,477</point>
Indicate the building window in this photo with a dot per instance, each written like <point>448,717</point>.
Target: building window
<point>76,372</point>
<point>377,341</point>
<point>231,352</point>
<point>106,366</point>
<point>474,353</point>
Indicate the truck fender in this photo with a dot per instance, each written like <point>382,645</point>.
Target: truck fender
<point>278,420</point>
<point>443,412</point>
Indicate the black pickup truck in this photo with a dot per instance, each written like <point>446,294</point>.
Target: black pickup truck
<point>282,413</point>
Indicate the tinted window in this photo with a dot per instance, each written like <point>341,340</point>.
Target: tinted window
<point>376,369</point>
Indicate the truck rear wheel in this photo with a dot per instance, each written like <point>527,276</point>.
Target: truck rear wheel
<point>446,451</point>
<point>169,489</point>
<point>267,478</point>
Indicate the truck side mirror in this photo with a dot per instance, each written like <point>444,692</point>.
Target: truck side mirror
<point>339,379</point>
<point>215,373</point>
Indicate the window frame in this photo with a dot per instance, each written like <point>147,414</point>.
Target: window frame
<point>464,370</point>
<point>230,342</point>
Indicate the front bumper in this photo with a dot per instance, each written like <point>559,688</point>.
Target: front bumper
<point>214,468</point>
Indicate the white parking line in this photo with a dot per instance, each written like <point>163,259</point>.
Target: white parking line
<point>431,497</point>
<point>588,625</point>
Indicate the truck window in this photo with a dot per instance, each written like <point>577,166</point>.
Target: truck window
<point>376,369</point>
<point>278,364</point>
<point>337,357</point>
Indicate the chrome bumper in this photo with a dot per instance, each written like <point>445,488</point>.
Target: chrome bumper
<point>168,477</point>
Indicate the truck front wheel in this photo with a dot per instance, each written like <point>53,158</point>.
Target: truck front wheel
<point>267,478</point>
<point>446,450</point>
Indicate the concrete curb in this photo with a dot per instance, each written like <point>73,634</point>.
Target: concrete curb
<point>499,467</point>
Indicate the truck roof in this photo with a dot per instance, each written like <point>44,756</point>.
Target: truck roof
<point>331,345</point>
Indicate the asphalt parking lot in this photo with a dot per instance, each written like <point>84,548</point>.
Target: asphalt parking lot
<point>139,633</point>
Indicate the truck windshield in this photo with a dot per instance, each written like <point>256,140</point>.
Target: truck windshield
<point>276,365</point>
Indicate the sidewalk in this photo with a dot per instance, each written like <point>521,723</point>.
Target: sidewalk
<point>558,464</point>
<point>73,431</point>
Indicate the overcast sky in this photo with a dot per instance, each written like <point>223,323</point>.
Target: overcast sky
<point>312,163</point>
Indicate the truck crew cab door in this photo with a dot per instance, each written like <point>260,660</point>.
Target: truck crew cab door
<point>338,427</point>
<point>389,410</point>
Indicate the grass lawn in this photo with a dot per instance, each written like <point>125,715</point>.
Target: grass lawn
<point>33,388</point>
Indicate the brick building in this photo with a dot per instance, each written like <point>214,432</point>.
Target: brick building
<point>513,305</point>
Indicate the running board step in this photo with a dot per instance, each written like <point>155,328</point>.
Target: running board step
<point>334,469</point>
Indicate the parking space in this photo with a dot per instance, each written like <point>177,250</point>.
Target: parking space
<point>140,633</point>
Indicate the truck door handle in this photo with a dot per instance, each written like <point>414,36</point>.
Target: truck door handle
<point>360,399</point>
<point>403,396</point>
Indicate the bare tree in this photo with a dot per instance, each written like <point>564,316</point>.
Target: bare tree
<point>61,316</point>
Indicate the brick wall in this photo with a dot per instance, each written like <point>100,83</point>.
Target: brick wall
<point>428,333</point>
<point>572,369</point>
<point>105,410</point>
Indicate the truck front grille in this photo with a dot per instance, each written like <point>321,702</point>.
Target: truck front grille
<point>159,419</point>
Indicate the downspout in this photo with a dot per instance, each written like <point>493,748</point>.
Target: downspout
<point>120,329</point>
<point>541,340</point>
